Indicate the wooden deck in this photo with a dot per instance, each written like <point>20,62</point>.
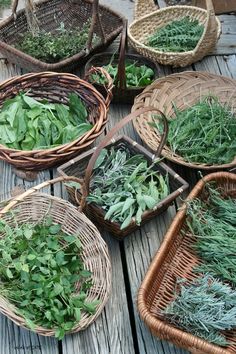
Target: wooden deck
<point>119,329</point>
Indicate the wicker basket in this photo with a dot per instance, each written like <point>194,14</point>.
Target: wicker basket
<point>147,21</point>
<point>83,166</point>
<point>175,259</point>
<point>55,87</point>
<point>121,93</point>
<point>106,23</point>
<point>33,207</point>
<point>192,86</point>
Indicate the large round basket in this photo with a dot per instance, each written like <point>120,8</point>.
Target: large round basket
<point>56,87</point>
<point>182,89</point>
<point>31,207</point>
<point>148,20</point>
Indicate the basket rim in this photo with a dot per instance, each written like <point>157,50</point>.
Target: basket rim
<point>154,323</point>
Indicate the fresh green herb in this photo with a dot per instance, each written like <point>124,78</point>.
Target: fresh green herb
<point>136,76</point>
<point>204,308</point>
<point>213,223</point>
<point>27,124</point>
<point>53,47</point>
<point>178,36</point>
<point>40,269</point>
<point>5,3</point>
<point>125,186</point>
<point>203,133</point>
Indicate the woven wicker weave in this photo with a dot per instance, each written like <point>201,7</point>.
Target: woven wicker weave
<point>55,88</point>
<point>183,89</point>
<point>106,24</point>
<point>33,207</point>
<point>145,26</point>
<point>175,259</point>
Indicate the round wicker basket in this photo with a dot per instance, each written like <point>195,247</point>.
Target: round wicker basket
<point>183,89</point>
<point>55,87</point>
<point>148,20</point>
<point>33,207</point>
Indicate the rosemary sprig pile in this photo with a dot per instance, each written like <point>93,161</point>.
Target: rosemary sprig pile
<point>178,36</point>
<point>204,308</point>
<point>203,133</point>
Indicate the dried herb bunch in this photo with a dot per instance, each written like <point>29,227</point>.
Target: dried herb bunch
<point>125,185</point>
<point>213,223</point>
<point>203,133</point>
<point>180,35</point>
<point>204,308</point>
<point>40,267</point>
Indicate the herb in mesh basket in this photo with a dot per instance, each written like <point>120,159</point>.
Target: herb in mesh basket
<point>203,133</point>
<point>180,35</point>
<point>125,186</point>
<point>53,47</point>
<point>136,75</point>
<point>213,224</point>
<point>28,124</point>
<point>41,270</point>
<point>204,308</point>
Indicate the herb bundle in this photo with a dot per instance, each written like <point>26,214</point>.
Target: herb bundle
<point>4,3</point>
<point>125,186</point>
<point>203,133</point>
<point>136,75</point>
<point>53,47</point>
<point>40,269</point>
<point>204,308</point>
<point>178,36</point>
<point>27,124</point>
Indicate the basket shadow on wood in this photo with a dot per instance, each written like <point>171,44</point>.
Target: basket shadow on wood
<point>176,259</point>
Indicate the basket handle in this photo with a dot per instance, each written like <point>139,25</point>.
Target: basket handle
<point>35,189</point>
<point>144,7</point>
<point>121,75</point>
<point>95,19</point>
<point>105,141</point>
<point>109,82</point>
<point>210,27</point>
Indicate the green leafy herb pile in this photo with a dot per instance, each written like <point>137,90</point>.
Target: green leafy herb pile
<point>203,133</point>
<point>53,47</point>
<point>39,269</point>
<point>178,36</point>
<point>204,308</point>
<point>125,186</point>
<point>214,226</point>
<point>136,75</point>
<point>4,3</point>
<point>27,124</point>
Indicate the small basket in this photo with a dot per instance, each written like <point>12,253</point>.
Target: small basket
<point>33,207</point>
<point>148,20</point>
<point>83,166</point>
<point>106,24</point>
<point>176,259</point>
<point>121,93</point>
<point>166,91</point>
<point>55,87</point>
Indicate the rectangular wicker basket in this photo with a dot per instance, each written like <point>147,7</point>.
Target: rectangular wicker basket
<point>175,259</point>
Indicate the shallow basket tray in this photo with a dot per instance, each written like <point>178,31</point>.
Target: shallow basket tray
<point>176,259</point>
<point>31,207</point>
<point>183,89</point>
<point>50,14</point>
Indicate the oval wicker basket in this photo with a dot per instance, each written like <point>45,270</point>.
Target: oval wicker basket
<point>55,87</point>
<point>106,24</point>
<point>183,89</point>
<point>31,207</point>
<point>176,259</point>
<point>148,20</point>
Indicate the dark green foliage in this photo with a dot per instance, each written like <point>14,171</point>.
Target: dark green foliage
<point>136,76</point>
<point>178,36</point>
<point>39,268</point>
<point>53,47</point>
<point>5,3</point>
<point>203,133</point>
<point>203,308</point>
<point>27,124</point>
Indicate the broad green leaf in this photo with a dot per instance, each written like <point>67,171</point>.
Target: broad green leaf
<point>54,229</point>
<point>77,314</point>
<point>101,158</point>
<point>9,273</point>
